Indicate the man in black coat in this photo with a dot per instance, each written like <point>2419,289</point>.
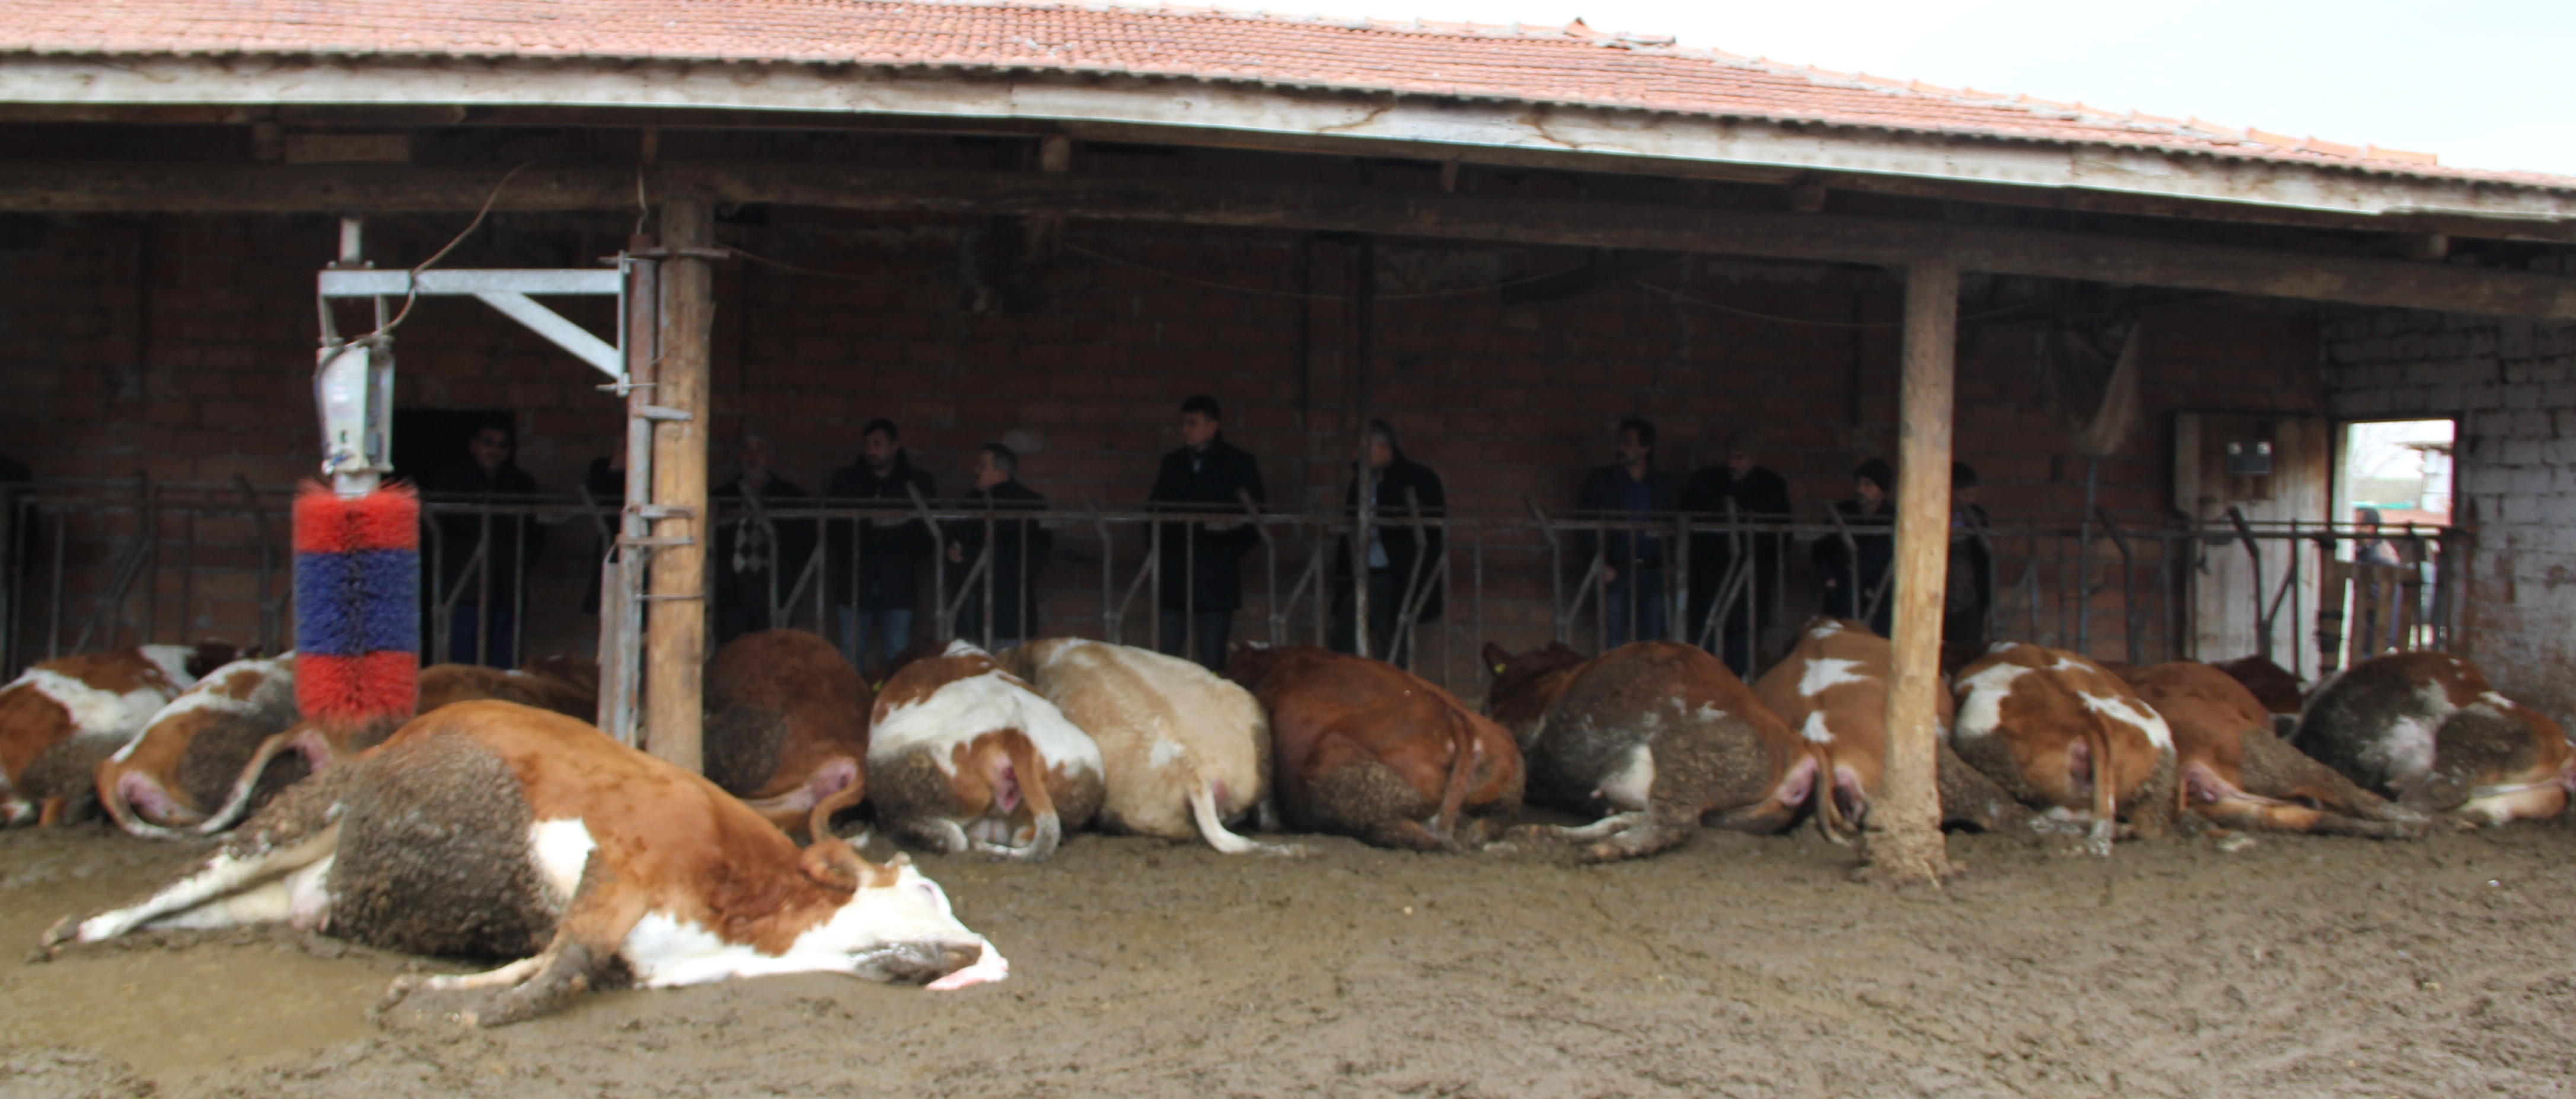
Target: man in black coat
<point>1020,549</point>
<point>1759,496</point>
<point>1856,577</point>
<point>1202,562</point>
<point>1396,563</point>
<point>482,628</point>
<point>1631,490</point>
<point>888,550</point>
<point>756,549</point>
<point>1968,593</point>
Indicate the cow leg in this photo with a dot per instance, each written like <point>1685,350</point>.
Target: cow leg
<point>227,873</point>
<point>1203,798</point>
<point>1359,795</point>
<point>1779,805</point>
<point>2274,770</point>
<point>2152,812</point>
<point>308,741</point>
<point>585,943</point>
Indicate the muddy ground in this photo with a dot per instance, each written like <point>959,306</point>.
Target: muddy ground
<point>1736,966</point>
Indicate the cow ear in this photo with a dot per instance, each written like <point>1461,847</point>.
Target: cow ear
<point>834,865</point>
<point>1495,656</point>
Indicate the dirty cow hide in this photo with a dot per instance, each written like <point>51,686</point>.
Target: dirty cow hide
<point>1831,689</point>
<point>2427,730</point>
<point>2067,737</point>
<point>189,772</point>
<point>787,726</point>
<point>1182,751</point>
<point>61,718</point>
<point>1648,738</point>
<point>963,756</point>
<point>1366,749</point>
<point>495,830</point>
<point>2235,773</point>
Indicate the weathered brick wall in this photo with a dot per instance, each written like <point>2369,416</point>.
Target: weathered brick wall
<point>181,347</point>
<point>2512,384</point>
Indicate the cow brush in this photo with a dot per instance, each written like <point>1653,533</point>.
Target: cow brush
<point>357,605</point>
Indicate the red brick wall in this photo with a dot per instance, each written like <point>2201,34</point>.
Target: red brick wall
<point>180,347</point>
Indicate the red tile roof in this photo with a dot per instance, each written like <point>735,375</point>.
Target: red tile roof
<point>1569,65</point>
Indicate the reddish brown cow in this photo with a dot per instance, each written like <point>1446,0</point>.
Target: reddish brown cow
<point>965,756</point>
<point>2426,729</point>
<point>60,718</point>
<point>2234,772</point>
<point>587,860</point>
<point>2272,685</point>
<point>1367,749</point>
<point>1831,689</point>
<point>2066,736</point>
<point>1650,738</point>
<point>787,726</point>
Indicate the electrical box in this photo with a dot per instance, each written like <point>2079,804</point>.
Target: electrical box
<point>2249,458</point>
<point>353,384</point>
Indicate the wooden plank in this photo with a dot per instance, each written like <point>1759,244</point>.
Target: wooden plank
<point>675,634</point>
<point>1259,204</point>
<point>1904,842</point>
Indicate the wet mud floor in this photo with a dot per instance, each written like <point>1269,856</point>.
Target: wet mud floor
<point>1735,966</point>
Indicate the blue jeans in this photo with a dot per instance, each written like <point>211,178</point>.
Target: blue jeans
<point>1644,586</point>
<point>460,635</point>
<point>892,629</point>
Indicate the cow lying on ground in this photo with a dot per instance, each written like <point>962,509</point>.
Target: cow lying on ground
<point>2235,773</point>
<point>787,725</point>
<point>965,756</point>
<point>1364,748</point>
<point>2427,730</point>
<point>186,773</point>
<point>62,717</point>
<point>1831,689</point>
<point>1182,751</point>
<point>2067,737</point>
<point>1649,737</point>
<point>2279,692</point>
<point>489,829</point>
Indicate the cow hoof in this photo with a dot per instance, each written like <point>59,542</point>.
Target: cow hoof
<point>2235,842</point>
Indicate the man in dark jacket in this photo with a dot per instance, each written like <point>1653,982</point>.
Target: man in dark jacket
<point>1020,549</point>
<point>760,546</point>
<point>1758,496</point>
<point>1855,578</point>
<point>888,550</point>
<point>1632,563</point>
<point>1202,562</point>
<point>1397,565</point>
<point>483,627</point>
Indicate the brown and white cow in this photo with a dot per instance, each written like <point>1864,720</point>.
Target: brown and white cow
<point>569,851</point>
<point>787,725</point>
<point>963,756</point>
<point>1831,689</point>
<point>187,773</point>
<point>62,717</point>
<point>1648,737</point>
<point>2067,737</point>
<point>1367,749</point>
<point>2235,773</point>
<point>2427,730</point>
<point>1182,751</point>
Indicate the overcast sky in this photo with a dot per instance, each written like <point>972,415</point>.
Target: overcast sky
<point>2482,83</point>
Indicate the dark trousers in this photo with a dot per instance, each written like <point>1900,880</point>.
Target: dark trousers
<point>1735,643</point>
<point>1384,591</point>
<point>460,635</point>
<point>742,605</point>
<point>1639,588</point>
<point>1840,604</point>
<point>1214,626</point>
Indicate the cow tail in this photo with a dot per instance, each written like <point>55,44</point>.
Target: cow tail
<point>1453,798</point>
<point>1033,788</point>
<point>2106,801</point>
<point>1829,813</point>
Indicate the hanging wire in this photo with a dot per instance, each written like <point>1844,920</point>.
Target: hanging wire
<point>412,296</point>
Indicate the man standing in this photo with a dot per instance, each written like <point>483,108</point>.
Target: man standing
<point>484,588</point>
<point>1968,592</point>
<point>1020,549</point>
<point>1758,496</point>
<point>1202,573</point>
<point>1855,577</point>
<point>759,548</point>
<point>1398,566</point>
<point>888,550</point>
<point>1632,562</point>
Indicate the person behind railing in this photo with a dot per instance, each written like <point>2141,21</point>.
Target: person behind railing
<point>606,481</point>
<point>1632,490</point>
<point>1759,496</point>
<point>889,550</point>
<point>1854,577</point>
<point>1202,564</point>
<point>1967,592</point>
<point>489,473</point>
<point>1396,562</point>
<point>747,561</point>
<point>1020,549</point>
<point>2370,548</point>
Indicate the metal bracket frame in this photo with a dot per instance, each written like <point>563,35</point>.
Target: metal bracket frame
<point>513,293</point>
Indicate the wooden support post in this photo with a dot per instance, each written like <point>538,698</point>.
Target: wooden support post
<point>1904,844</point>
<point>675,635</point>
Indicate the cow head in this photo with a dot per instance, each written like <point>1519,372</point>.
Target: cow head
<point>1526,684</point>
<point>896,924</point>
